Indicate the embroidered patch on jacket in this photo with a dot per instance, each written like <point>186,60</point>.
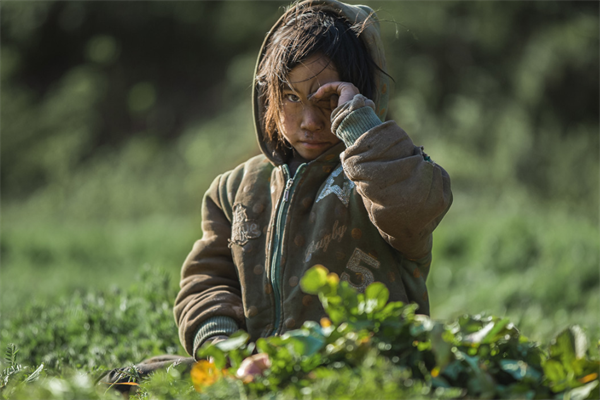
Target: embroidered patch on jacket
<point>343,193</point>
<point>242,229</point>
<point>363,273</point>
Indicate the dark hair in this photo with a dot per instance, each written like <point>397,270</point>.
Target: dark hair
<point>307,30</point>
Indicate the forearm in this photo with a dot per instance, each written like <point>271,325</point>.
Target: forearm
<point>207,305</point>
<point>209,301</point>
<point>405,193</point>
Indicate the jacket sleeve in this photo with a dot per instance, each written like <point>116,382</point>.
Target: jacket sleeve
<point>405,193</point>
<point>209,302</point>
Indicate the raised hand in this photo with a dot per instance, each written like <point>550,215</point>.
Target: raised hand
<point>338,93</point>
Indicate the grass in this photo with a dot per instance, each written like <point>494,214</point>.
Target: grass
<point>122,210</point>
<point>538,266</point>
<point>46,259</point>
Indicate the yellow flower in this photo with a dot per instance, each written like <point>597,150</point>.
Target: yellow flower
<point>205,373</point>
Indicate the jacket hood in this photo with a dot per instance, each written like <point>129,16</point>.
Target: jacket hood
<point>370,36</point>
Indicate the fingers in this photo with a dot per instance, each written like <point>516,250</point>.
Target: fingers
<point>338,93</point>
<point>333,101</point>
<point>218,338</point>
<point>253,366</point>
<point>327,90</point>
<point>262,361</point>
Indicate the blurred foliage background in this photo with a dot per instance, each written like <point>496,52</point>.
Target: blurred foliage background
<point>116,116</point>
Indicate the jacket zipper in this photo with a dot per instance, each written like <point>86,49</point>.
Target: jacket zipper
<point>277,241</point>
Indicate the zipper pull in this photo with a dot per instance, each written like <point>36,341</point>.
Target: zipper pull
<point>288,186</point>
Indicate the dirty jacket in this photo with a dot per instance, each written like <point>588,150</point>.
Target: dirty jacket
<point>365,209</point>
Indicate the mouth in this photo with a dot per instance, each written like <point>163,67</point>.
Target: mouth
<point>314,144</point>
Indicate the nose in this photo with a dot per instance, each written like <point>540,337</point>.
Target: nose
<point>312,118</point>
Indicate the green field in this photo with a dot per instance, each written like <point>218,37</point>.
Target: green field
<point>105,158</point>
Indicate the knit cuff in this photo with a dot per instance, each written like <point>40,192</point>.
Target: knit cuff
<point>357,123</point>
<point>214,326</point>
<point>354,118</point>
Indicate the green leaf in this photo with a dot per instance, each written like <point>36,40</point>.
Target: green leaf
<point>235,358</point>
<point>337,315</point>
<point>569,345</point>
<point>421,324</point>
<point>556,374</point>
<point>314,279</point>
<point>481,382</point>
<point>453,370</point>
<point>10,357</point>
<point>391,310</point>
<point>263,345</point>
<point>498,327</point>
<point>480,335</point>
<point>422,346</point>
<point>581,341</point>
<point>408,311</point>
<point>236,341</point>
<point>304,344</point>
<point>376,297</point>
<point>35,374</point>
<point>350,298</point>
<point>217,354</point>
<point>520,370</point>
<point>587,391</point>
<point>441,347</point>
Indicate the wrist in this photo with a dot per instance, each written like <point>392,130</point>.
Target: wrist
<point>350,120</point>
<point>214,327</point>
<point>355,124</point>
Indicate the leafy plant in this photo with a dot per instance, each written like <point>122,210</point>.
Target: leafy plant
<point>10,358</point>
<point>86,331</point>
<point>13,373</point>
<point>474,356</point>
<point>366,348</point>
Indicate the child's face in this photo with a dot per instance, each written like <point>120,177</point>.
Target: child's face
<point>306,124</point>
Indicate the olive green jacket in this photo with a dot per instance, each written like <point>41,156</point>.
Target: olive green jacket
<point>365,209</point>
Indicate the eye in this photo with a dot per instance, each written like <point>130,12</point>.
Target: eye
<point>291,97</point>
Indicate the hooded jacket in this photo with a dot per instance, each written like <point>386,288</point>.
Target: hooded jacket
<point>365,209</point>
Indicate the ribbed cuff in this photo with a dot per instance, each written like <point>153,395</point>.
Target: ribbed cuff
<point>356,123</point>
<point>214,326</point>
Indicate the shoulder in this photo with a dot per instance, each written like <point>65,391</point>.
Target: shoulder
<point>255,171</point>
<point>251,169</point>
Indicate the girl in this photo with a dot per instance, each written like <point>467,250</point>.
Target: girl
<point>335,185</point>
